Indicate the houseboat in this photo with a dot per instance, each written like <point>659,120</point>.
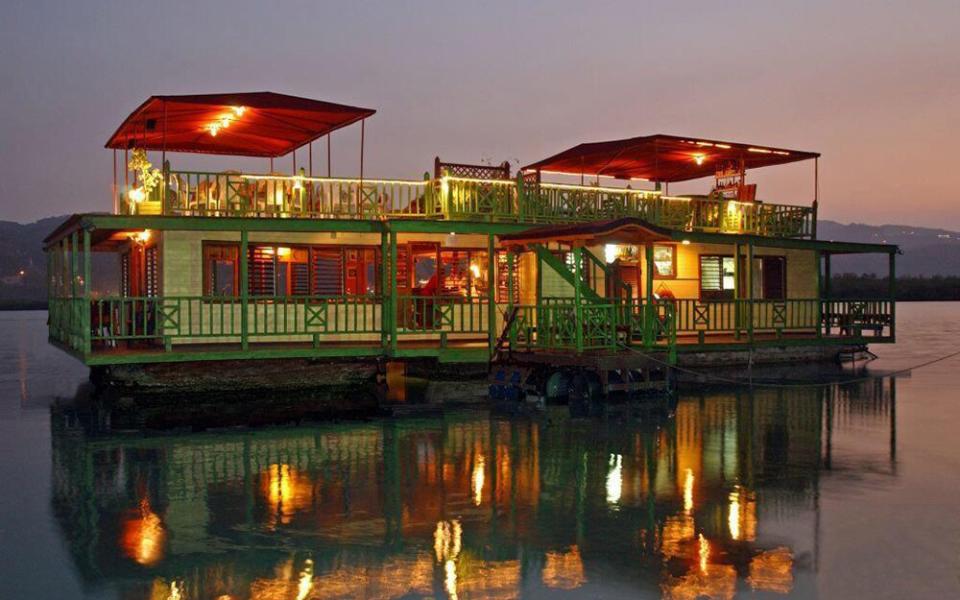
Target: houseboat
<point>575,259</point>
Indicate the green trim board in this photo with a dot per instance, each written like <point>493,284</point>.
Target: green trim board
<point>96,221</point>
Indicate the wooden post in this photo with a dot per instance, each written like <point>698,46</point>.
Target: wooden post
<point>86,293</point>
<point>825,301</point>
<point>385,316</point>
<point>511,259</point>
<point>74,270</point>
<point>244,290</point>
<point>649,309</point>
<point>816,195</point>
<point>74,264</point>
<point>521,198</point>
<point>892,292</point>
<point>64,267</point>
<point>393,293</point>
<point>491,291</point>
<point>577,291</point>
<point>737,292</point>
<point>749,312</point>
<point>819,295</point>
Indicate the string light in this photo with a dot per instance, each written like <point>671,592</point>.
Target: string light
<point>137,195</point>
<point>223,121</point>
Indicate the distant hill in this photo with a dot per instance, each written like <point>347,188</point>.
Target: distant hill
<point>21,250</point>
<point>926,252</point>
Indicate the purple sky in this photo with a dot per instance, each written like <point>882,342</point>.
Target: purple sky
<point>874,86</point>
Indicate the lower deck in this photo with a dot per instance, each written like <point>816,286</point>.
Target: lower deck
<point>470,350</point>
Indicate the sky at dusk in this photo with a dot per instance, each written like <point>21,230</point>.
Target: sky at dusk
<point>874,86</point>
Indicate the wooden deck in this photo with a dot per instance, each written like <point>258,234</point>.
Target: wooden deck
<point>474,350</point>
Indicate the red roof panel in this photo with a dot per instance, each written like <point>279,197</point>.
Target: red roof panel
<point>664,158</point>
<point>257,123</point>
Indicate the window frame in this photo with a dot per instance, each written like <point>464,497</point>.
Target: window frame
<point>207,289</point>
<point>737,272</point>
<point>763,281</point>
<point>673,256</point>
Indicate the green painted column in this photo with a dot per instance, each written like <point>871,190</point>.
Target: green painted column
<point>49,256</point>
<point>577,295</point>
<point>491,291</point>
<point>384,289</point>
<point>511,259</point>
<point>85,315</point>
<point>74,264</point>
<point>521,198</point>
<point>737,292</point>
<point>650,311</point>
<point>749,312</point>
<point>819,293</point>
<point>74,272</point>
<point>393,293</point>
<point>892,292</point>
<point>244,290</point>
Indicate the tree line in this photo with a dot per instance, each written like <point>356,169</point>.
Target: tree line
<point>936,287</point>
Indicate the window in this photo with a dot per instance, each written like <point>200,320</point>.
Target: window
<point>464,272</point>
<point>664,261</point>
<point>220,269</point>
<point>717,277</point>
<point>279,271</point>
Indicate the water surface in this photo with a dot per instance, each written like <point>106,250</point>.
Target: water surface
<point>838,492</point>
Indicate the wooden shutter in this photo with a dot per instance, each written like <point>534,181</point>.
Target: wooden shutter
<point>504,268</point>
<point>262,271</point>
<point>151,266</point>
<point>711,277</point>
<point>327,267</point>
<point>403,268</point>
<point>125,274</point>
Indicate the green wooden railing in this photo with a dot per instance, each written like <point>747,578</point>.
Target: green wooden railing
<point>847,318</point>
<point>235,194</point>
<point>443,315</point>
<point>555,324</point>
<point>559,324</point>
<point>199,318</point>
<point>193,193</point>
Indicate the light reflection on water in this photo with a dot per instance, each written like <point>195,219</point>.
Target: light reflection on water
<point>734,494</point>
<point>680,506</point>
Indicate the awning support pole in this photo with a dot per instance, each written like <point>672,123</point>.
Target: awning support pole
<point>816,194</point>
<point>116,198</point>
<point>360,187</point>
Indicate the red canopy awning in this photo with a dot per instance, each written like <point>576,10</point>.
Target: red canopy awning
<point>664,158</point>
<point>243,124</point>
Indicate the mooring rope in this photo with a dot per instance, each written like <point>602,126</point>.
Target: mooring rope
<point>751,383</point>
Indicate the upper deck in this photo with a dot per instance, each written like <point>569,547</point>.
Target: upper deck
<point>452,197</point>
<point>273,125</point>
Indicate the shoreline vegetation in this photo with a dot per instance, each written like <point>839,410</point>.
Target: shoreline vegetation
<point>937,288</point>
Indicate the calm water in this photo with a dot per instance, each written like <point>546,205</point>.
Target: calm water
<point>846,492</point>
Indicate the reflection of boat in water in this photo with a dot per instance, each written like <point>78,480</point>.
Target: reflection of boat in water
<point>723,496</point>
